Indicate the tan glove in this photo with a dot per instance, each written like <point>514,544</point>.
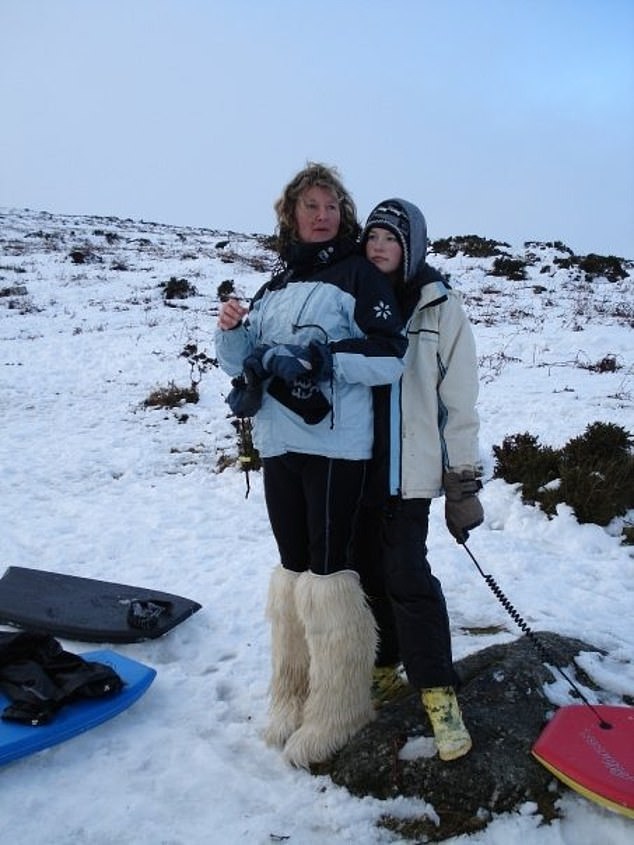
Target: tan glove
<point>463,510</point>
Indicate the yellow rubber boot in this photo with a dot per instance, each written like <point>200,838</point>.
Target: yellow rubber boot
<point>441,706</point>
<point>388,685</point>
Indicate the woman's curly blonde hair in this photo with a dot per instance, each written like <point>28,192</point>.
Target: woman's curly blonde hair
<point>322,176</point>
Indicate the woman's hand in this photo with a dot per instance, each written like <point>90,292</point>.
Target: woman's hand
<point>230,314</point>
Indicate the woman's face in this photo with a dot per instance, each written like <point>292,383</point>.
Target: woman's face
<point>317,215</point>
<point>384,250</point>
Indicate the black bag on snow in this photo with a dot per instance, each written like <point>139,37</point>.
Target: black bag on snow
<point>39,677</point>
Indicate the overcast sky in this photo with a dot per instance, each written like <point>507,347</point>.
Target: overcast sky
<point>511,119</point>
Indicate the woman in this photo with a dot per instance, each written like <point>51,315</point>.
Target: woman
<point>320,334</point>
<point>426,445</point>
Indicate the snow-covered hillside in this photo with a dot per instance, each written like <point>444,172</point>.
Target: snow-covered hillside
<point>95,482</point>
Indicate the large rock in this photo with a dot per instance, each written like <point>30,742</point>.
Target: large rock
<point>505,709</point>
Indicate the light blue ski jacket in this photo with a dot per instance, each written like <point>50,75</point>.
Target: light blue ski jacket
<point>346,303</point>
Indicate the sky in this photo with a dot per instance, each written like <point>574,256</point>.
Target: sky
<point>510,119</point>
<point>94,484</point>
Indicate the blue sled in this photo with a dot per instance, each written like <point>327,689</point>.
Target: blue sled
<point>17,740</point>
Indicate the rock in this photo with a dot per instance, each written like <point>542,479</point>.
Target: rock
<point>504,708</point>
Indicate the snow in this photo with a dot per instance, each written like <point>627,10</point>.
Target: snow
<point>96,484</point>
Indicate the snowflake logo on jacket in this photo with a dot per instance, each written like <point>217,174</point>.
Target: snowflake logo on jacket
<point>382,311</point>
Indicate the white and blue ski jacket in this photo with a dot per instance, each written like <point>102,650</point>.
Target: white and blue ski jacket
<point>428,421</point>
<point>333,295</point>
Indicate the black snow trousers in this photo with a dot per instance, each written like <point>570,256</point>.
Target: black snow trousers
<point>313,503</point>
<point>407,598</point>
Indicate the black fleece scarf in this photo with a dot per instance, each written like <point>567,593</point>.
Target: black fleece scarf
<point>306,259</point>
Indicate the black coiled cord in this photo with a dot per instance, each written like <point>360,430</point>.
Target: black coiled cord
<point>545,653</point>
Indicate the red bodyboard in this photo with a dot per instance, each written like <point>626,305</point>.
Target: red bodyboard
<point>594,760</point>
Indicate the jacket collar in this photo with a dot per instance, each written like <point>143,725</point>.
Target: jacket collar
<point>428,287</point>
<point>309,258</point>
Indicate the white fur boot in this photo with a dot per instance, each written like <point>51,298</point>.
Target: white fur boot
<point>289,657</point>
<point>342,642</point>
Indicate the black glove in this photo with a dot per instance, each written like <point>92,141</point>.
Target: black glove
<point>321,360</point>
<point>463,510</point>
<point>288,362</point>
<point>253,367</point>
<point>245,397</point>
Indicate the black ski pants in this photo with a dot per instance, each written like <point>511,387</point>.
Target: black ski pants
<point>313,503</point>
<point>406,597</point>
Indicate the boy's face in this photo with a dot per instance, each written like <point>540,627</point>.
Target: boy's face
<point>384,250</point>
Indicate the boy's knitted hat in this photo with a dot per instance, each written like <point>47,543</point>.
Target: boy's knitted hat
<point>399,216</point>
<point>391,216</point>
